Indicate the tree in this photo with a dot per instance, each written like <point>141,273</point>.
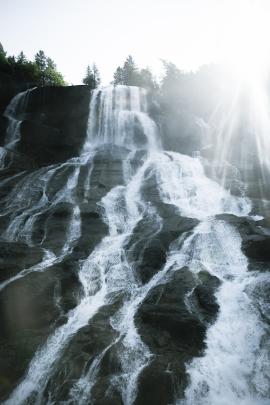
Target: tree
<point>118,76</point>
<point>3,57</point>
<point>53,77</point>
<point>21,58</point>
<point>41,72</point>
<point>96,74</point>
<point>41,61</point>
<point>172,84</point>
<point>146,80</point>
<point>130,72</point>
<point>50,63</point>
<point>130,75</point>
<point>49,76</point>
<point>92,77</point>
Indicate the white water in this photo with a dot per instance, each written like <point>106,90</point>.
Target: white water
<point>18,103</point>
<point>232,369</point>
<point>102,274</point>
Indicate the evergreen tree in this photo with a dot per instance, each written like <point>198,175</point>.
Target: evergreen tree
<point>171,78</point>
<point>130,72</point>
<point>21,58</point>
<point>41,72</point>
<point>118,76</point>
<point>49,76</point>
<point>96,74</point>
<point>146,80</point>
<point>50,63</point>
<point>130,75</point>
<point>41,62</point>
<point>3,56</point>
<point>92,77</point>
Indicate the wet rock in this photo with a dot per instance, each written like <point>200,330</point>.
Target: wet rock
<point>172,321</point>
<point>3,128</point>
<point>28,311</point>
<point>157,384</point>
<point>15,256</point>
<point>45,145</point>
<point>52,130</point>
<point>53,227</point>
<point>93,230</point>
<point>88,342</point>
<point>255,237</point>
<point>9,88</point>
<point>203,296</point>
<point>152,237</point>
<point>165,308</point>
<point>257,248</point>
<point>12,162</point>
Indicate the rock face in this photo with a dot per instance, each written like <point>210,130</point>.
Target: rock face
<point>255,238</point>
<point>54,123</point>
<point>94,295</point>
<point>173,324</point>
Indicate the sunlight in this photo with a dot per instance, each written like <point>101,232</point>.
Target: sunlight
<point>245,53</point>
<point>245,44</point>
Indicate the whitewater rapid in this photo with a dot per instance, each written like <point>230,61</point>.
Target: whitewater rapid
<point>233,368</point>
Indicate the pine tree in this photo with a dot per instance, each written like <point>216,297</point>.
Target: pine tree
<point>96,75</point>
<point>50,63</point>
<point>130,72</point>
<point>41,62</point>
<point>118,76</point>
<point>3,55</point>
<point>92,77</point>
<point>21,58</point>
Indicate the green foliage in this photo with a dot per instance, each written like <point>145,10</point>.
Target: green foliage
<point>49,76</point>
<point>53,77</point>
<point>92,77</point>
<point>41,60</point>
<point>147,80</point>
<point>118,76</point>
<point>3,56</point>
<point>130,72</point>
<point>130,75</point>
<point>21,58</point>
<point>41,72</point>
<point>172,87</point>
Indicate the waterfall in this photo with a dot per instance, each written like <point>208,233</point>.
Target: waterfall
<point>230,370</point>
<point>118,115</point>
<point>18,103</point>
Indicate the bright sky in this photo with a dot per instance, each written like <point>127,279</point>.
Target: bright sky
<point>75,33</point>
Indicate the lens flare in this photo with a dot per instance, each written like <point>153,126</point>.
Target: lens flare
<point>241,123</point>
<point>245,46</point>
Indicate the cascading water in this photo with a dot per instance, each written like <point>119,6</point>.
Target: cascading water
<point>230,369</point>
<point>13,130</point>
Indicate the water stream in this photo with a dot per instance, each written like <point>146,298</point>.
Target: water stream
<point>234,367</point>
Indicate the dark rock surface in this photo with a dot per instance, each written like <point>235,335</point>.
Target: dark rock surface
<point>151,239</point>
<point>173,324</point>
<point>172,319</point>
<point>9,88</point>
<point>54,123</point>
<point>255,238</point>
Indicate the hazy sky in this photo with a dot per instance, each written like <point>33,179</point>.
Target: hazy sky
<point>75,33</point>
